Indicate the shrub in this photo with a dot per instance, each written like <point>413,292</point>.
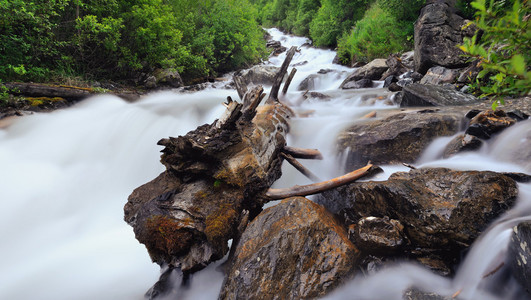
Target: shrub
<point>502,47</point>
<point>378,34</point>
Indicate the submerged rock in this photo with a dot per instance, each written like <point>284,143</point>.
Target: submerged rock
<point>294,250</point>
<point>396,139</point>
<point>520,254</point>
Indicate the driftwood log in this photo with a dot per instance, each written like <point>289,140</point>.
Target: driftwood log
<point>217,178</point>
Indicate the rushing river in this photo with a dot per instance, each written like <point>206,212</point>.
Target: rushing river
<point>65,177</point>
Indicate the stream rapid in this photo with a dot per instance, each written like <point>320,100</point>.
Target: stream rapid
<point>65,177</point>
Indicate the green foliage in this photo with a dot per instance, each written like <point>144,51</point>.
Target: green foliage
<point>335,17</point>
<point>119,39</point>
<point>502,46</point>
<point>376,35</point>
<point>402,10</point>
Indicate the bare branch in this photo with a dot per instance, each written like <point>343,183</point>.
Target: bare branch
<point>288,81</point>
<point>310,189</point>
<point>302,153</point>
<point>297,165</point>
<point>273,95</point>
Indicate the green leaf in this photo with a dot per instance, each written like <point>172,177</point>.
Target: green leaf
<point>518,64</point>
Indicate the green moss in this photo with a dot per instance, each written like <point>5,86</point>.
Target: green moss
<point>219,223</point>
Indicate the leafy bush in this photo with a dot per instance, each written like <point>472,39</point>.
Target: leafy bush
<point>376,35</point>
<point>502,47</point>
<point>402,10</point>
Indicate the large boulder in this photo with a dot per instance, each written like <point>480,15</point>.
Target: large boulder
<point>442,211</point>
<point>259,75</point>
<point>438,32</point>
<point>294,250</point>
<point>372,70</point>
<point>167,77</point>
<point>520,254</point>
<point>396,139</point>
<point>417,94</point>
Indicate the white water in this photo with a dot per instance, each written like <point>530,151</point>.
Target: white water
<point>65,176</point>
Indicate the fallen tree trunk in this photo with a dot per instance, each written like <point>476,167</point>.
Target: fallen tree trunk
<point>217,178</point>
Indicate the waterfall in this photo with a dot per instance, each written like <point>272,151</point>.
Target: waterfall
<point>66,175</point>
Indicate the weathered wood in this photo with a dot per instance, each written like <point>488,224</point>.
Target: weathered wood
<point>297,165</point>
<point>288,81</point>
<point>310,189</point>
<point>303,153</point>
<point>45,90</point>
<point>241,88</point>
<point>273,95</point>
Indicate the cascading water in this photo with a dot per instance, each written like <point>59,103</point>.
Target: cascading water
<point>66,175</point>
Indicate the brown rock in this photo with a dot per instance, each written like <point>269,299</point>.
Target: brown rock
<point>462,143</point>
<point>378,235</point>
<point>294,250</point>
<point>396,139</point>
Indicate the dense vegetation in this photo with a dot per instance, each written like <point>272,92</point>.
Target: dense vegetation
<point>501,47</point>
<point>360,29</point>
<point>121,39</point>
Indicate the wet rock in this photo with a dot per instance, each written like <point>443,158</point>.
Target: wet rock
<point>302,63</point>
<point>372,70</point>
<point>462,143</point>
<point>439,75</point>
<point>308,83</point>
<point>519,254</point>
<point>432,95</point>
<point>438,32</point>
<point>415,76</point>
<point>359,84</point>
<point>396,139</point>
<point>440,208</point>
<point>377,235</point>
<point>317,95</point>
<point>325,71</point>
<point>259,75</point>
<point>396,67</point>
<point>394,87</point>
<point>489,122</point>
<point>294,250</point>
<point>407,59</point>
<point>388,80</point>
<point>414,294</point>
<point>276,47</point>
<point>168,78</point>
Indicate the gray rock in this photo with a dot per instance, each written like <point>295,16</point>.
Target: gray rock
<point>439,75</point>
<point>433,95</point>
<point>259,75</point>
<point>438,32</point>
<point>372,70</point>
<point>520,254</point>
<point>407,59</point>
<point>168,78</point>
<point>396,67</point>
<point>294,250</point>
<point>359,84</point>
<point>462,143</point>
<point>396,139</point>
<point>308,83</point>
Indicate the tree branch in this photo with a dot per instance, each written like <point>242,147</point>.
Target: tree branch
<point>310,189</point>
<point>297,165</point>
<point>273,95</point>
<point>302,153</point>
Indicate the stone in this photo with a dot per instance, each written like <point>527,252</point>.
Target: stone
<point>359,84</point>
<point>433,95</point>
<point>462,143</point>
<point>489,122</point>
<point>372,70</point>
<point>394,87</point>
<point>468,74</point>
<point>519,254</point>
<point>293,250</point>
<point>407,59</point>
<point>443,211</point>
<point>396,139</point>
<point>168,78</point>
<point>259,75</point>
<point>308,83</point>
<point>276,46</point>
<point>378,236</point>
<point>415,76</point>
<point>439,75</point>
<point>437,34</point>
<point>389,79</point>
<point>396,67</point>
